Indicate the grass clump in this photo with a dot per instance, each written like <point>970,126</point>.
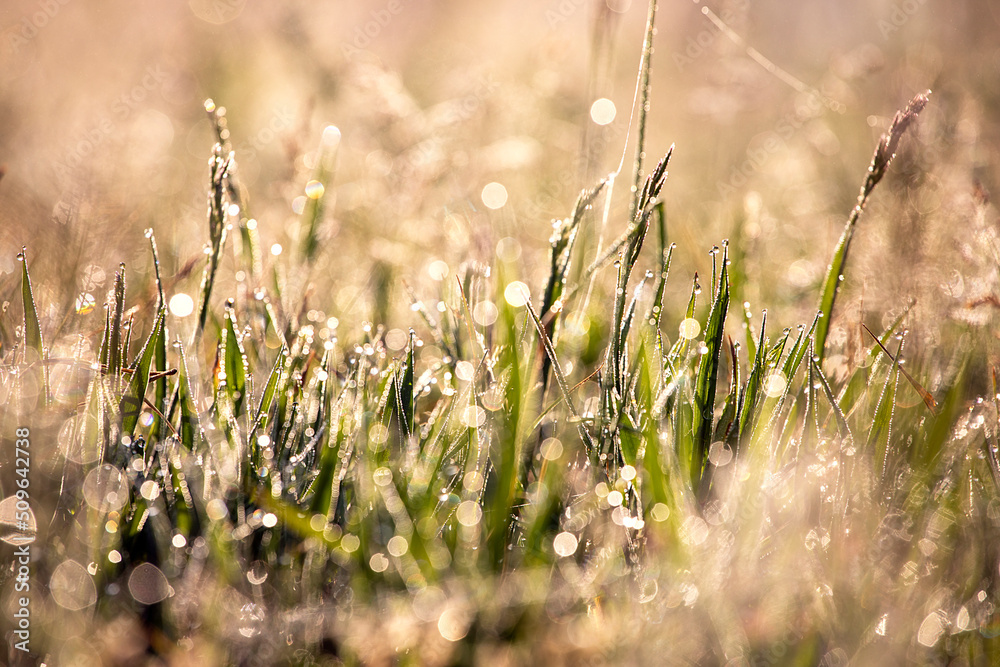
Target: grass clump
<point>258,488</point>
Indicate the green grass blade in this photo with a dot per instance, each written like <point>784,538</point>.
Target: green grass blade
<point>724,426</point>
<point>317,193</point>
<point>585,436</point>
<point>127,328</point>
<point>926,454</point>
<point>260,420</point>
<point>404,391</point>
<point>234,362</point>
<point>189,424</point>
<point>135,392</point>
<point>655,312</point>
<point>838,414</point>
<point>880,431</point>
<point>859,383</point>
<point>94,421</point>
<point>798,351</point>
<point>32,328</point>
<point>160,357</point>
<point>507,444</point>
<point>34,349</point>
<point>115,359</point>
<point>680,346</point>
<point>750,397</point>
<point>884,153</point>
<point>810,422</point>
<point>645,65</point>
<point>708,375</point>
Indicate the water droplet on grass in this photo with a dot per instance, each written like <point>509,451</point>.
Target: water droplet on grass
<point>719,453</point>
<point>314,190</point>
<point>72,587</point>
<point>516,293</point>
<point>603,111</point>
<point>565,544</point>
<point>148,585</point>
<point>469,513</point>
<point>494,195</point>
<point>257,574</point>
<point>689,328</point>
<point>397,545</point>
<point>378,562</point>
<point>251,619</point>
<point>931,629</point>
<point>85,303</point>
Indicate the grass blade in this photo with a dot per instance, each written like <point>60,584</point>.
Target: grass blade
<point>925,395</point>
<point>189,424</point>
<point>666,254</point>
<point>884,153</point>
<point>115,360</point>
<point>750,397</point>
<point>585,436</point>
<point>842,425</point>
<point>160,357</point>
<point>32,328</point>
<point>135,392</point>
<point>403,384</point>
<point>234,362</point>
<point>34,349</point>
<point>880,432</point>
<point>267,396</point>
<point>317,193</point>
<point>708,376</point>
<point>644,68</point>
<point>219,168</point>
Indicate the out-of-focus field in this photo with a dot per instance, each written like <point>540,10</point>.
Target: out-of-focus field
<point>103,134</point>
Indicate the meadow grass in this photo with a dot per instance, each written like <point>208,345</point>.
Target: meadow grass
<point>561,480</point>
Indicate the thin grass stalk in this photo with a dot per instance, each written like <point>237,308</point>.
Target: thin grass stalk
<point>645,66</point>
<point>884,153</point>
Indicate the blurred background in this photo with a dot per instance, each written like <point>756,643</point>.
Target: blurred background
<point>103,134</point>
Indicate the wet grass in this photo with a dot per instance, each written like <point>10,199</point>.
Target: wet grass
<point>527,475</point>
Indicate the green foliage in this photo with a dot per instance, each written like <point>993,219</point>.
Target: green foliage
<point>293,470</point>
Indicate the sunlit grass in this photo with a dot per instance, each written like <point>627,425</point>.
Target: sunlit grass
<point>521,473</point>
